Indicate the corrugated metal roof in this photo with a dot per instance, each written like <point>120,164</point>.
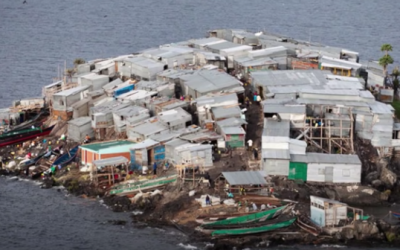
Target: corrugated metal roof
<point>339,62</point>
<point>177,114</point>
<point>148,128</point>
<point>289,77</point>
<point>204,135</point>
<point>108,107</point>
<point>144,62</point>
<point>326,158</point>
<point>227,46</point>
<point>105,145</point>
<point>136,95</point>
<point>206,41</point>
<point>288,109</point>
<point>380,108</point>
<point>80,121</point>
<point>229,122</point>
<point>276,154</point>
<point>114,161</point>
<point>144,144</point>
<point>94,76</point>
<point>164,137</point>
<point>327,200</point>
<point>332,102</point>
<point>205,81</point>
<point>244,178</point>
<point>131,111</point>
<point>233,130</point>
<point>176,143</point>
<point>72,91</point>
<point>258,62</point>
<point>80,103</point>
<point>222,112</point>
<point>216,99</point>
<point>276,128</point>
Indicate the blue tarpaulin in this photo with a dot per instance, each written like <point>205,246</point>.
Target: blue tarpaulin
<point>124,90</point>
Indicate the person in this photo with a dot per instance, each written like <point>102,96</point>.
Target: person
<point>258,99</point>
<point>208,201</point>
<point>250,143</point>
<point>254,207</point>
<point>155,168</point>
<point>255,152</point>
<point>247,101</point>
<point>87,139</point>
<point>29,155</point>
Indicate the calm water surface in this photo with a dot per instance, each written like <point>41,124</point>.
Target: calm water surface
<point>38,36</point>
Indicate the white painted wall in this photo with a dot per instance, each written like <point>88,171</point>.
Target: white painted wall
<point>276,167</point>
<point>342,173</point>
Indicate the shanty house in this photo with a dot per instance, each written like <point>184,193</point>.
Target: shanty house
<point>234,136</point>
<point>204,81</point>
<point>230,122</point>
<point>325,168</point>
<point>137,97</point>
<point>203,58</point>
<point>121,116</point>
<point>251,180</point>
<point>200,155</point>
<point>106,67</point>
<point>204,105</point>
<point>248,64</point>
<point>80,127</point>
<point>102,115</point>
<point>110,87</point>
<point>94,81</point>
<point>220,113</point>
<point>170,149</point>
<point>204,42</point>
<point>294,113</point>
<point>147,152</point>
<point>80,108</point>
<point>145,130</point>
<point>175,119</point>
<point>63,101</point>
<point>339,66</point>
<point>325,212</point>
<point>172,56</point>
<point>140,68</point>
<point>229,50</point>
<point>104,150</point>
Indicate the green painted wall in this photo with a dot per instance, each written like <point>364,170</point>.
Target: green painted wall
<point>297,171</point>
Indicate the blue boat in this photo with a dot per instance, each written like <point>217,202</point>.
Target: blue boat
<point>66,157</point>
<point>395,214</point>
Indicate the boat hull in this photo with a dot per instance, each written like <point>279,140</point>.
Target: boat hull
<point>252,230</point>
<point>66,157</point>
<point>132,188</point>
<point>246,219</point>
<point>25,137</point>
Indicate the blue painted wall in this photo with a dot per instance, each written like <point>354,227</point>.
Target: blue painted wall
<point>124,90</point>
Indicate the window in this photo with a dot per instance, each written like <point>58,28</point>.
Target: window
<point>321,171</point>
<point>61,102</point>
<point>122,118</point>
<point>346,173</point>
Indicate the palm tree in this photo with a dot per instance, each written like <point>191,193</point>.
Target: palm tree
<point>385,60</point>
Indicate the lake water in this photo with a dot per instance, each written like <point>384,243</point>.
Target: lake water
<point>37,37</point>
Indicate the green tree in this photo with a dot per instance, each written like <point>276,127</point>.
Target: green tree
<point>386,59</point>
<point>78,61</point>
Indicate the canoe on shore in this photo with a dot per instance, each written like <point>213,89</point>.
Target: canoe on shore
<point>22,137</point>
<point>66,157</point>
<point>250,218</point>
<point>27,124</point>
<point>133,187</point>
<point>252,230</point>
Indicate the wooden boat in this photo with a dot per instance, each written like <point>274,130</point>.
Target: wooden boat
<point>18,133</point>
<point>217,217</point>
<point>30,162</point>
<point>27,124</point>
<point>305,224</point>
<point>133,187</point>
<point>67,157</point>
<point>21,137</point>
<point>245,219</point>
<point>252,230</point>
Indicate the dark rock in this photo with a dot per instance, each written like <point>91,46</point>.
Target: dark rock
<point>388,177</point>
<point>372,176</point>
